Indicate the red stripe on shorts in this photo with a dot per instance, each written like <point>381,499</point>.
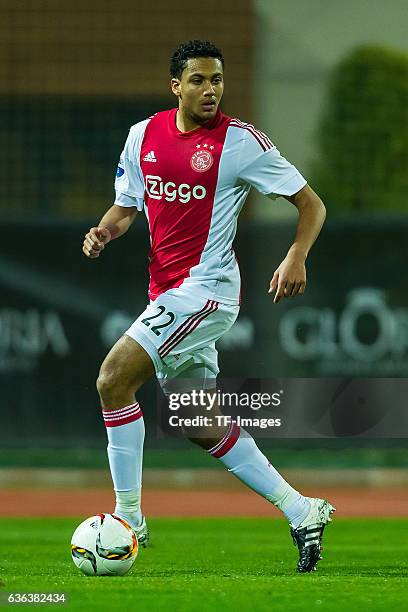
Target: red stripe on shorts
<point>182,326</point>
<point>188,327</point>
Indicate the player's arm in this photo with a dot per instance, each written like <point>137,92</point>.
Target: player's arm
<point>260,164</point>
<point>129,190</point>
<point>115,222</point>
<point>289,278</point>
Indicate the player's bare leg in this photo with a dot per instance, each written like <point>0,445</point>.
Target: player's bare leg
<point>125,369</point>
<point>206,437</point>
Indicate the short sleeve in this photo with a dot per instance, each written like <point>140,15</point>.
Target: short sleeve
<point>262,166</point>
<point>129,185</point>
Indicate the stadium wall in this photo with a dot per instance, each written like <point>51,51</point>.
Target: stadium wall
<point>74,76</point>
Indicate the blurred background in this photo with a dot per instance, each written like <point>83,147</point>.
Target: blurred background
<point>328,82</point>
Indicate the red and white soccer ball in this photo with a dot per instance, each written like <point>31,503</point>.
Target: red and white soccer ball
<point>104,545</point>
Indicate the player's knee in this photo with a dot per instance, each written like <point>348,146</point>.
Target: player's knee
<point>104,384</point>
<point>110,386</point>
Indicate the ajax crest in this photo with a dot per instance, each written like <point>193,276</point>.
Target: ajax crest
<point>201,160</point>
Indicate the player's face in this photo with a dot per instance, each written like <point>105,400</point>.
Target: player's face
<point>200,88</point>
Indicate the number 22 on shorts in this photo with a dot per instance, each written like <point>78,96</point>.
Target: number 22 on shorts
<point>169,319</point>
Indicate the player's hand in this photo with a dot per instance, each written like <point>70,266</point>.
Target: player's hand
<point>95,241</point>
<point>289,278</point>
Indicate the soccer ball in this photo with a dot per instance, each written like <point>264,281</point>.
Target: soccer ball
<point>104,545</point>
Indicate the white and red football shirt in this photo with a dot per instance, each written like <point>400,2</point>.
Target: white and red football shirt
<point>192,186</point>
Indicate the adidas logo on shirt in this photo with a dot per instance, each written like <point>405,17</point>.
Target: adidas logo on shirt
<point>150,157</point>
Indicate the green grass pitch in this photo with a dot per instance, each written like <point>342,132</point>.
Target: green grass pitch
<point>216,564</point>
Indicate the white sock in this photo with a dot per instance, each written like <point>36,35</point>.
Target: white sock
<point>126,431</point>
<point>239,453</point>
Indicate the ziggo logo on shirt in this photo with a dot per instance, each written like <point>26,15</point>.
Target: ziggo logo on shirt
<point>156,189</point>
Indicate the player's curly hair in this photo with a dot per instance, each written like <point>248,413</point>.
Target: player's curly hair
<point>190,49</point>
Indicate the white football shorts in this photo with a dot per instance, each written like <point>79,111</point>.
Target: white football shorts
<point>179,331</point>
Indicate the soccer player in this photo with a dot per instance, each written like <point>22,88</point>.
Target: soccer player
<point>190,170</point>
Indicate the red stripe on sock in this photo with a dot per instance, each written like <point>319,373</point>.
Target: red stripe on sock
<point>121,410</point>
<point>113,418</point>
<point>227,443</point>
<point>129,419</point>
<point>221,442</point>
